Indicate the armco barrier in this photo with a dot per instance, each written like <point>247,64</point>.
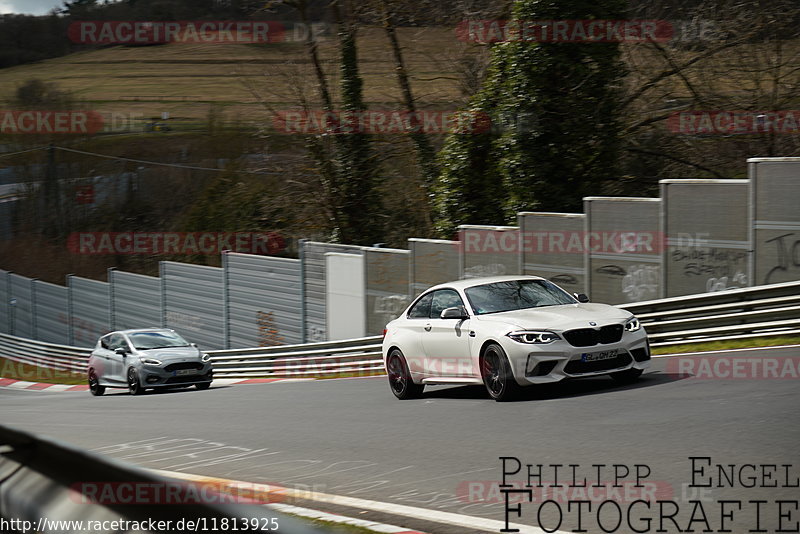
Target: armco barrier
<point>38,477</point>
<point>760,311</point>
<point>352,357</point>
<point>734,314</point>
<point>50,355</point>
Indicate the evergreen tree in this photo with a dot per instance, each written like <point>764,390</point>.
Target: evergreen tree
<point>554,107</point>
<point>358,167</point>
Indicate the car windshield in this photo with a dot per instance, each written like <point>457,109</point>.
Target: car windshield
<point>516,295</point>
<point>157,340</point>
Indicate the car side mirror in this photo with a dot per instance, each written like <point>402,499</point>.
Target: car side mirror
<point>122,352</point>
<point>456,312</point>
<point>582,298</point>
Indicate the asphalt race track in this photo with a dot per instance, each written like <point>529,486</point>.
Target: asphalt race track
<point>353,438</point>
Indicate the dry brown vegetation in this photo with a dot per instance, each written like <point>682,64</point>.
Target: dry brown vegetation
<point>242,85</point>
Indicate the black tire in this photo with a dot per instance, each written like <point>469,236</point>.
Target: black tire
<point>628,376</point>
<point>400,378</point>
<point>497,375</point>
<point>94,386</point>
<point>203,385</point>
<point>134,386</point>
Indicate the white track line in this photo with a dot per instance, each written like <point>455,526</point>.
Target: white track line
<point>335,518</point>
<point>435,516</point>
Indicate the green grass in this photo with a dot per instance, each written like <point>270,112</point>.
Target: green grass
<point>729,344</point>
<point>33,373</point>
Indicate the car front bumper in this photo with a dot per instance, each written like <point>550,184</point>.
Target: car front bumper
<point>553,362</point>
<point>158,377</point>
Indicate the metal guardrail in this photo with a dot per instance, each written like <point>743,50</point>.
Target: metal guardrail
<point>43,481</point>
<point>52,356</point>
<point>352,357</point>
<point>762,311</point>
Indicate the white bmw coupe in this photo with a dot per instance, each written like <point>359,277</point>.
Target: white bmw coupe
<point>506,333</point>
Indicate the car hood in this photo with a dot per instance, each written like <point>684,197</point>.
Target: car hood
<point>174,354</point>
<point>559,317</point>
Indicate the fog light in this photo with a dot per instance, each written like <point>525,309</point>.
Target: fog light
<point>540,368</point>
<point>543,368</point>
<point>151,378</point>
<point>641,354</point>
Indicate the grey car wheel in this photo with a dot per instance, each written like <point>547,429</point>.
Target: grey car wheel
<point>134,386</point>
<point>497,375</point>
<point>400,380</point>
<point>94,385</point>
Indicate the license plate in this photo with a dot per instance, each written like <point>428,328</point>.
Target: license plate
<point>184,372</point>
<point>597,356</point>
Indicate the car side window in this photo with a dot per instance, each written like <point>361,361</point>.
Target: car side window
<point>422,309</point>
<point>443,299</point>
<point>104,342</point>
<point>116,342</point>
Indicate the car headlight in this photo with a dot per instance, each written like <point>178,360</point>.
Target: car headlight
<point>205,358</point>
<point>537,337</point>
<point>150,361</point>
<point>632,325</point>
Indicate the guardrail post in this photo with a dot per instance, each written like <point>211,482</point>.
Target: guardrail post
<point>226,334</point>
<point>163,280</point>
<point>70,330</point>
<point>587,271</point>
<point>664,240</point>
<point>34,322</point>
<point>9,306</point>
<point>751,214</point>
<point>301,254</point>
<point>112,316</point>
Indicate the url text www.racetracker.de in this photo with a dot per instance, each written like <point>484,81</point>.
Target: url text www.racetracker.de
<point>107,526</point>
<point>623,498</point>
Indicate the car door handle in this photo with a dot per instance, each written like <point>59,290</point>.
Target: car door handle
<point>427,328</point>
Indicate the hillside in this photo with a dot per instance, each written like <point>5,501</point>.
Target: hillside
<point>185,79</point>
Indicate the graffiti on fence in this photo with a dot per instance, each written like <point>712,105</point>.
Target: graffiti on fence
<point>268,333</point>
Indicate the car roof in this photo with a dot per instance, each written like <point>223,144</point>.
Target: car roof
<point>470,282</point>
<point>139,330</point>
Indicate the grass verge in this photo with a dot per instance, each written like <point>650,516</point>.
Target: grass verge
<point>34,373</point>
<point>755,342</point>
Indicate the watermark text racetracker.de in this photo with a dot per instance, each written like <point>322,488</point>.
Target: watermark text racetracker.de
<point>734,122</point>
<point>169,493</point>
<point>565,31</point>
<point>477,241</point>
<point>50,122</point>
<point>102,32</point>
<point>316,122</point>
<point>178,243</point>
<point>21,371</point>
<point>733,367</point>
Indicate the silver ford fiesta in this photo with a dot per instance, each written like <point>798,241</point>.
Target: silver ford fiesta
<point>152,358</point>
